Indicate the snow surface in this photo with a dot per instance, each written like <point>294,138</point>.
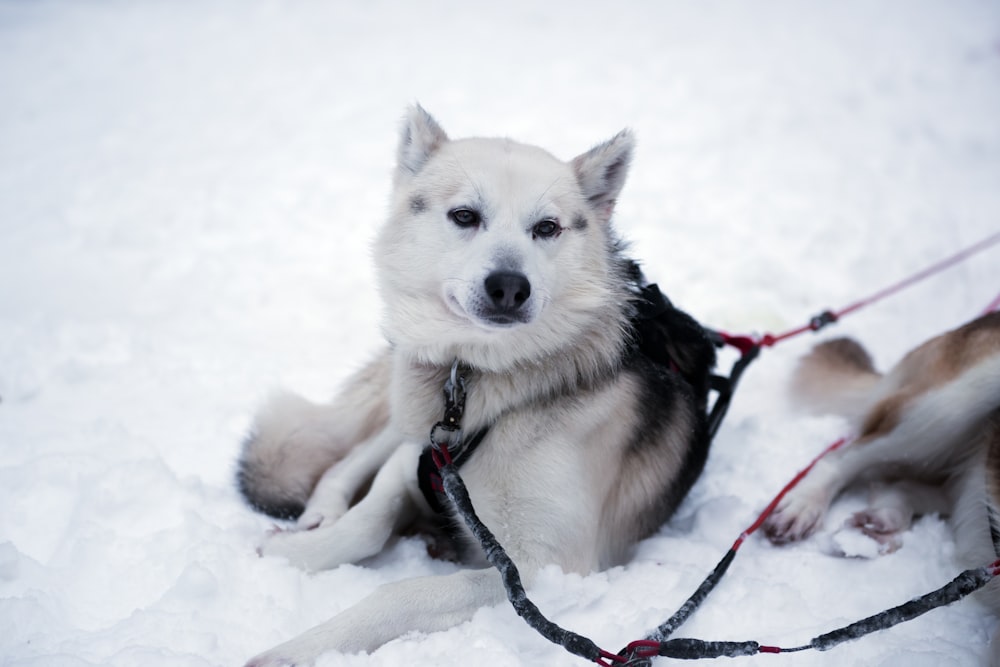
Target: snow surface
<point>187,196</point>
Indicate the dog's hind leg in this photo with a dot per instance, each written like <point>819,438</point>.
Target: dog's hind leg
<point>424,604</point>
<point>294,441</point>
<point>801,512</point>
<point>921,436</point>
<point>892,508</point>
<point>364,530</point>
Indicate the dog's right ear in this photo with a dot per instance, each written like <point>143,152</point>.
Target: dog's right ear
<point>601,172</point>
<point>419,138</point>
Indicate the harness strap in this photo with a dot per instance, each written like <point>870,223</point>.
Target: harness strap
<point>726,386</point>
<point>427,471</point>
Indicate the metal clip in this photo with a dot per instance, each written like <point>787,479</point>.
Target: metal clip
<point>447,433</point>
<point>454,393</point>
<point>823,319</point>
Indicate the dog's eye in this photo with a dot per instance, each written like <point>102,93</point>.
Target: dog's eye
<point>464,217</point>
<point>545,229</point>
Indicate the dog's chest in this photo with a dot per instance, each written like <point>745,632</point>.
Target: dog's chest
<point>418,399</point>
<point>539,484</point>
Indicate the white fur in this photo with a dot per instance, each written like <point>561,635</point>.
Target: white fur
<point>514,185</point>
<point>548,479</point>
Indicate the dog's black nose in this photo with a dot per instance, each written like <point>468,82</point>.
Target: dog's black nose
<point>508,290</point>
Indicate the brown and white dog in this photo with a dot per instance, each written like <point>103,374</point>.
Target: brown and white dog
<point>928,438</point>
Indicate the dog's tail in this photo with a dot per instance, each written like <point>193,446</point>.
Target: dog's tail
<point>836,377</point>
<point>293,441</point>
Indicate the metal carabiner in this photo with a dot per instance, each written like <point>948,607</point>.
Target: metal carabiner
<point>454,389</point>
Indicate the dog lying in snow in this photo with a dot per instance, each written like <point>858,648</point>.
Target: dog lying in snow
<point>928,439</point>
<point>500,256</point>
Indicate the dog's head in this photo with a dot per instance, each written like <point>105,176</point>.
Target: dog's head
<point>495,251</point>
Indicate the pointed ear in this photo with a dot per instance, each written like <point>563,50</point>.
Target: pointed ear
<point>419,138</point>
<point>601,172</point>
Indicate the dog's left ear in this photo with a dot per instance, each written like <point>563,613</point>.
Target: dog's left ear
<point>601,172</point>
<point>419,137</point>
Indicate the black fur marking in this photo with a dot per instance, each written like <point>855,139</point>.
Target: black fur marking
<point>417,205</point>
<point>669,410</point>
<point>277,506</point>
<point>579,223</point>
<point>674,357</point>
<point>672,338</point>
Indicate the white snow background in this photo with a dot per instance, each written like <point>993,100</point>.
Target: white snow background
<point>188,191</point>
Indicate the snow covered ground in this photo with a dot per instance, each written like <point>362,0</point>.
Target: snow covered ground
<point>187,195</point>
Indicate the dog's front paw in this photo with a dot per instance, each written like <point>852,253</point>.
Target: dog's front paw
<point>298,547</point>
<point>265,660</point>
<point>324,509</point>
<point>300,651</point>
<point>801,512</point>
<point>798,516</point>
<point>278,658</point>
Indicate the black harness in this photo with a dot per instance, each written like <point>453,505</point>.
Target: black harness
<point>427,471</point>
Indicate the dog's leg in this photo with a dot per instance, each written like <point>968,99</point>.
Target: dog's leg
<point>922,435</point>
<point>294,441</point>
<point>425,604</point>
<point>801,511</point>
<point>340,484</point>
<point>364,529</point>
<point>891,509</point>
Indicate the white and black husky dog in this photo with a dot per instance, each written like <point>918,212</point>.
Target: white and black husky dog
<point>928,440</point>
<point>588,398</point>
